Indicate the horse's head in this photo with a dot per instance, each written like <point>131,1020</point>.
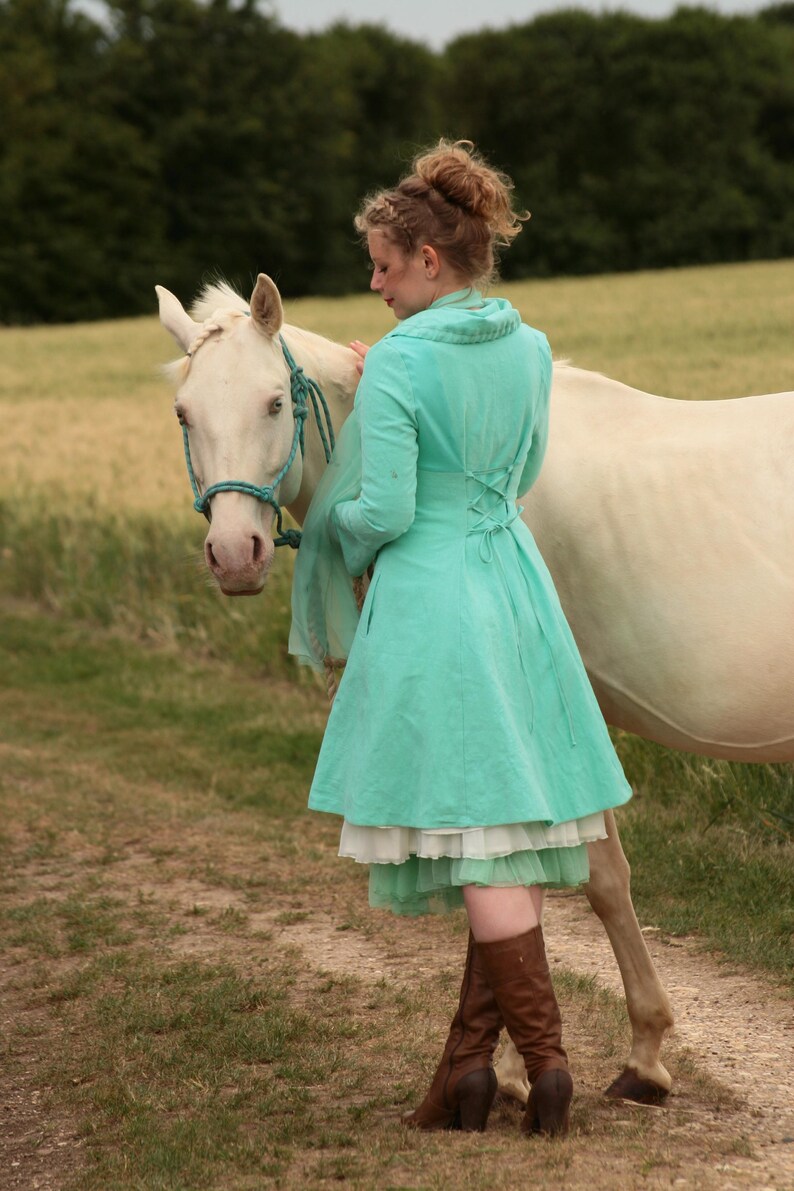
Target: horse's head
<point>233,397</point>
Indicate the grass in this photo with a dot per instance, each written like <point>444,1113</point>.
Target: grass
<point>711,845</point>
<point>152,717</point>
<point>169,913</point>
<point>156,865</point>
<point>143,574</point>
<point>157,862</point>
<point>147,918</point>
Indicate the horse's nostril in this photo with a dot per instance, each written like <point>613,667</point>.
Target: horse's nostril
<point>258,548</point>
<point>212,561</point>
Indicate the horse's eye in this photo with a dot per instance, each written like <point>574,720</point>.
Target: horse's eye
<point>180,415</point>
<point>277,405</point>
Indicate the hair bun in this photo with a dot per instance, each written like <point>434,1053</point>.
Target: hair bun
<point>452,200</point>
<point>458,173</point>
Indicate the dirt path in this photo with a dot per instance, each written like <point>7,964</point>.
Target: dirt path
<point>737,1028</point>
<point>735,1135</point>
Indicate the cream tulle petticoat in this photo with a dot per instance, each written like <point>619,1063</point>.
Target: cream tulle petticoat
<point>415,872</point>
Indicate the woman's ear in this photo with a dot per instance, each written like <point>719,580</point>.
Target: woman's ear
<point>431,262</point>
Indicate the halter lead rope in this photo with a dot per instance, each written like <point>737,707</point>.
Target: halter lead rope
<point>303,390</point>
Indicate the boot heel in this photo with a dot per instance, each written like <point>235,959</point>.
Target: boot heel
<point>548,1107</point>
<point>475,1094</point>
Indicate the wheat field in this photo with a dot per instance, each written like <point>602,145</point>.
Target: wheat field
<point>88,417</point>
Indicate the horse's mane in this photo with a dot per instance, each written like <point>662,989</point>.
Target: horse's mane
<point>215,298</point>
<point>219,306</point>
<point>217,295</point>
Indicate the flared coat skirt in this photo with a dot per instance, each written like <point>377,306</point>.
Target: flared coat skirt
<point>465,705</point>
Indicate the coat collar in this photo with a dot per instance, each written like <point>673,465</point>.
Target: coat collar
<point>462,317</point>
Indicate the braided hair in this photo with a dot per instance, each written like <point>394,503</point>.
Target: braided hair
<point>453,200</point>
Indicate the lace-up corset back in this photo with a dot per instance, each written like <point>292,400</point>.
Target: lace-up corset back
<point>492,507</point>
<point>467,503</point>
<point>464,701</point>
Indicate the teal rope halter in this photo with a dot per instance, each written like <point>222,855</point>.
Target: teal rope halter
<point>303,390</point>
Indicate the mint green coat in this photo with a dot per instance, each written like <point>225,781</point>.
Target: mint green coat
<point>464,701</point>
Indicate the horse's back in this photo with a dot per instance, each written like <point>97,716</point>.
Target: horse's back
<point>677,521</point>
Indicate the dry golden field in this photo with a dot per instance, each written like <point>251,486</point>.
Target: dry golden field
<point>86,413</point>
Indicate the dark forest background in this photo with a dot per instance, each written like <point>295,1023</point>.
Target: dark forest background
<point>173,139</point>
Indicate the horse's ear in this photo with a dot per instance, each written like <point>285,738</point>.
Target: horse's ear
<point>266,309</point>
<point>175,318</point>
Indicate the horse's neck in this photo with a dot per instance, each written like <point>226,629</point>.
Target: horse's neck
<point>333,367</point>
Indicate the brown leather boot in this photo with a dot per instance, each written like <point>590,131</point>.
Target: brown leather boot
<point>519,975</point>
<point>464,1086</point>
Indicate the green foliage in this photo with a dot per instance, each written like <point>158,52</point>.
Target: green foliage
<point>649,143</point>
<point>80,229</point>
<point>173,138</point>
<point>186,138</point>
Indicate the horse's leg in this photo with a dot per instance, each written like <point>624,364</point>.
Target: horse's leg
<point>512,1075</point>
<point>644,1078</point>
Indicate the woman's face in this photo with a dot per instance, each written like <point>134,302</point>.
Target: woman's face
<point>407,284</point>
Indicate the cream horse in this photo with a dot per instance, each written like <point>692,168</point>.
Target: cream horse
<point>668,527</point>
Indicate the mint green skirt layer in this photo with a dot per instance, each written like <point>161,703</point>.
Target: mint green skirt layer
<point>465,726</point>
<point>421,886</point>
<point>420,872</point>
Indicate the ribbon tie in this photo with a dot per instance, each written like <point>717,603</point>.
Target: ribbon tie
<point>488,526</point>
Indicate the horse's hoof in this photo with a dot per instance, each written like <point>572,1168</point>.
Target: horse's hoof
<point>631,1086</point>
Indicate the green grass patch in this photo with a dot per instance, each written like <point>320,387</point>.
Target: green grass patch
<point>149,715</point>
<point>155,862</point>
<point>143,574</point>
<point>204,1074</point>
<point>711,844</point>
<point>80,922</point>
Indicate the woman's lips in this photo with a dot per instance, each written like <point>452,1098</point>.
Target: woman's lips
<point>388,301</point>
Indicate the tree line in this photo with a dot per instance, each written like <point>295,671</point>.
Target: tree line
<point>170,140</point>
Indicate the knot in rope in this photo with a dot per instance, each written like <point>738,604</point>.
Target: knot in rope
<point>289,537</point>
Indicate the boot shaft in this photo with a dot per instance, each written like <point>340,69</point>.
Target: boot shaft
<point>464,1084</point>
<point>518,973</point>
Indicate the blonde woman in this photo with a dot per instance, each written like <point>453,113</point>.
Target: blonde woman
<point>465,749</point>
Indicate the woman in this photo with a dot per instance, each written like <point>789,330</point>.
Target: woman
<point>465,748</point>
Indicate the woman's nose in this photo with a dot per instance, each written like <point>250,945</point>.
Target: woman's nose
<point>375,283</point>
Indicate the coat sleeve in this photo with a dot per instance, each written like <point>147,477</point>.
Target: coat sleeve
<point>540,429</point>
<point>389,451</point>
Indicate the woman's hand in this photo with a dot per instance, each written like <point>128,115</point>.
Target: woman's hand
<point>361,350</point>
